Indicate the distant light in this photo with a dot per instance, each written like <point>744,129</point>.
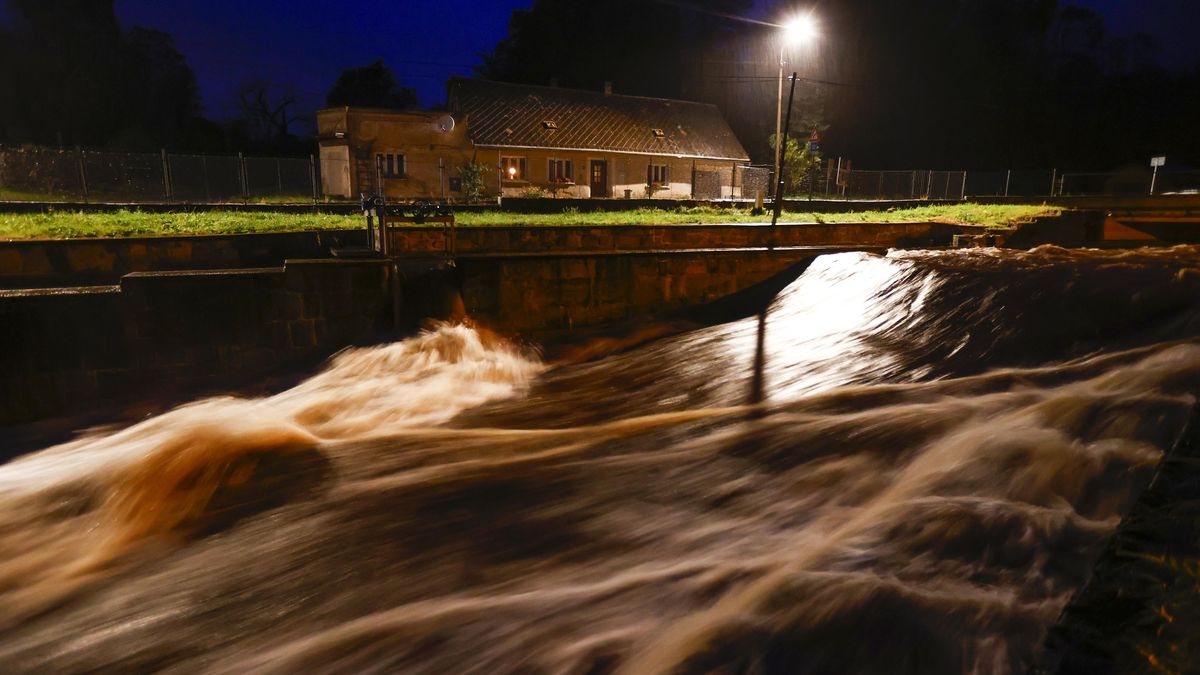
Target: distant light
<point>800,29</point>
<point>512,172</point>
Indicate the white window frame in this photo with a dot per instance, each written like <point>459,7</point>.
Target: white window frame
<point>661,172</point>
<point>519,161</point>
<point>391,165</point>
<point>552,173</point>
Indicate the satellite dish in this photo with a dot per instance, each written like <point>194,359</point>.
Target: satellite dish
<point>445,124</point>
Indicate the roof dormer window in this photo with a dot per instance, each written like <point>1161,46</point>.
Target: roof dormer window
<point>658,133</point>
<point>549,124</point>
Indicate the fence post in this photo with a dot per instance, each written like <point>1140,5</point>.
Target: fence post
<point>243,179</point>
<point>1007,181</point>
<point>82,172</point>
<point>929,186</point>
<point>962,194</point>
<point>312,178</point>
<point>278,177</point>
<point>1053,180</point>
<point>162,153</point>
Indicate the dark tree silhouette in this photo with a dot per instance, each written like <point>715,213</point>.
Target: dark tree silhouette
<point>370,86</point>
<point>70,74</point>
<point>932,84</point>
<point>641,47</point>
<point>264,113</point>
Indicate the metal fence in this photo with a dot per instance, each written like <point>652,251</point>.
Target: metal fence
<point>1053,183</point>
<point>39,174</point>
<point>911,184</point>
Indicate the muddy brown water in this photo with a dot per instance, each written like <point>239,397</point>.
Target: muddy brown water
<point>947,440</point>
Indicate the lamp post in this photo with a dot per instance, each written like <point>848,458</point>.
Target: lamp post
<point>800,29</point>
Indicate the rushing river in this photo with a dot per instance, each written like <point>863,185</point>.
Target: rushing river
<point>946,442</point>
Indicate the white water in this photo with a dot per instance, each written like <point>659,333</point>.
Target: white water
<point>949,439</point>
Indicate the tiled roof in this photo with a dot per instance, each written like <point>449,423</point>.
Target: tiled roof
<point>517,115</point>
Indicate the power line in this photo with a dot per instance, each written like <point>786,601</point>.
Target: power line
<point>700,10</point>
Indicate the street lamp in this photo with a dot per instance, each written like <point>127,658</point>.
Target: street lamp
<point>798,30</point>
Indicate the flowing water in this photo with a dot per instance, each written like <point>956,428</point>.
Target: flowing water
<point>947,439</point>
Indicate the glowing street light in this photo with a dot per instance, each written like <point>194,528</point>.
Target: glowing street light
<point>799,30</point>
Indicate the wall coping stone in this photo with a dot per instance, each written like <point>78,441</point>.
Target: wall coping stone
<point>59,291</point>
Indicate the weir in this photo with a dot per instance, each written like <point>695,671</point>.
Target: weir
<point>630,511</point>
<point>191,314</point>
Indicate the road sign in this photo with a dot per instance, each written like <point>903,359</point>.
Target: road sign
<point>1158,161</point>
<point>814,137</point>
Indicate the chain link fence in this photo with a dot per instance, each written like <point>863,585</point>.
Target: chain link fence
<point>41,174</point>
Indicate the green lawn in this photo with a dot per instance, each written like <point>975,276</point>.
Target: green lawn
<point>66,224</point>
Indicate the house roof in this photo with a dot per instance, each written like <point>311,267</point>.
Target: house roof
<point>517,115</point>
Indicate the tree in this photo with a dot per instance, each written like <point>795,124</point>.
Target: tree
<point>72,75</point>
<point>641,47</point>
<point>370,86</point>
<point>799,164</point>
<point>265,114</point>
<point>472,175</point>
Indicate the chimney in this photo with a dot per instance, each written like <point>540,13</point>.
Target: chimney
<point>608,87</point>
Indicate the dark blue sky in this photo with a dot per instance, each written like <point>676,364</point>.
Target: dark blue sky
<point>302,45</point>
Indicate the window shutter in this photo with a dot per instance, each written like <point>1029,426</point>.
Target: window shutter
<point>568,172</point>
<point>400,166</point>
<point>666,174</point>
<point>649,174</point>
<point>521,171</point>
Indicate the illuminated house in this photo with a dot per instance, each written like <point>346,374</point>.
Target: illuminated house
<point>534,141</point>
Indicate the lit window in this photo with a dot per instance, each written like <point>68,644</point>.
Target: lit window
<point>550,124</point>
<point>559,171</point>
<point>658,133</point>
<point>512,168</point>
<point>658,174</point>
<point>390,165</point>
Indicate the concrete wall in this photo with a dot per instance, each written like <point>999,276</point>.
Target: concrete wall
<point>74,262</point>
<point>537,293</point>
<point>77,262</point>
<point>156,333</point>
<point>65,349</point>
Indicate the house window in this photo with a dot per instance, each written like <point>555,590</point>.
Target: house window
<point>559,171</point>
<point>513,168</point>
<point>390,165</point>
<point>658,174</point>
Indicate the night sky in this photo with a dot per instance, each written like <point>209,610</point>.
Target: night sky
<point>302,45</point>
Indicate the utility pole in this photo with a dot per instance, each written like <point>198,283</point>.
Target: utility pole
<point>781,141</point>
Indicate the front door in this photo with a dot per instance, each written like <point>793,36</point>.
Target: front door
<point>599,181</point>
